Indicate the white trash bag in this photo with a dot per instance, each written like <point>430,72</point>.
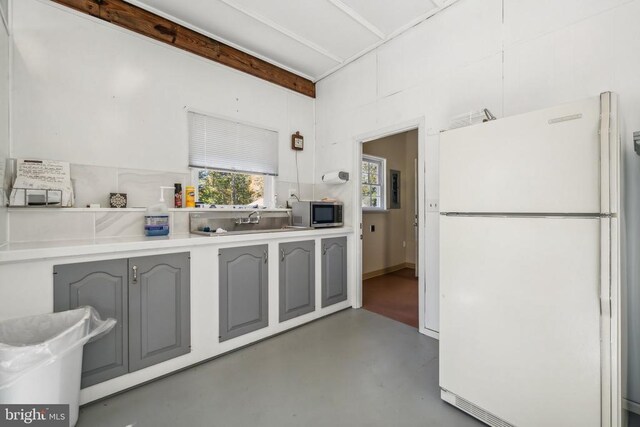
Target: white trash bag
<point>41,357</point>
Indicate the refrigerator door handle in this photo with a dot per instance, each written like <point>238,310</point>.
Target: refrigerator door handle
<point>605,322</point>
<point>605,111</point>
<point>609,153</point>
<point>605,268</point>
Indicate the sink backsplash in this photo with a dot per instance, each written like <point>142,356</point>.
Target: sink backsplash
<point>238,221</point>
<point>92,184</point>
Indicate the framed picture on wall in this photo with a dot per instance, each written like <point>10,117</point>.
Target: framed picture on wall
<point>394,189</point>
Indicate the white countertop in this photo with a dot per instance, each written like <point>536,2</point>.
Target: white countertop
<point>16,252</point>
<point>15,209</point>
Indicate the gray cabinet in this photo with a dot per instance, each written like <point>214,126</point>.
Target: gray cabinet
<point>334,270</point>
<point>159,320</point>
<point>244,275</point>
<point>102,285</point>
<point>149,298</point>
<point>297,279</point>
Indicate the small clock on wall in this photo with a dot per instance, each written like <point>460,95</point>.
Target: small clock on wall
<point>297,141</point>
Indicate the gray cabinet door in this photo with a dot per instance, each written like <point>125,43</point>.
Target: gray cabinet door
<point>102,285</point>
<point>244,274</point>
<point>159,309</point>
<point>297,279</point>
<point>334,270</point>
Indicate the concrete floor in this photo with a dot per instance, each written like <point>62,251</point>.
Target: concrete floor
<point>354,368</point>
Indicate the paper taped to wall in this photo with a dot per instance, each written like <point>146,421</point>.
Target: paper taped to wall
<point>40,182</point>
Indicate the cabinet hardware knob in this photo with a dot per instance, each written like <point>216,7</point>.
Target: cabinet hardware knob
<point>135,274</point>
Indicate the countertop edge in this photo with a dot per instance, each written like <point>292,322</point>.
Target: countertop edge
<point>11,253</point>
<point>15,209</point>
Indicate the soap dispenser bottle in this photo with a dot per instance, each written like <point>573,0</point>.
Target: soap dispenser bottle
<point>156,221</point>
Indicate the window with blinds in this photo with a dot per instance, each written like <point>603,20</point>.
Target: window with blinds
<point>226,145</point>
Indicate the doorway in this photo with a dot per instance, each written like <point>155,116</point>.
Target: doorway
<point>390,211</point>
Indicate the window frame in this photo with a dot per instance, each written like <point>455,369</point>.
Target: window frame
<point>382,179</point>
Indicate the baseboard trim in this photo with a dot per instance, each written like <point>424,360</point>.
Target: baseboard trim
<point>387,270</point>
<point>430,333</point>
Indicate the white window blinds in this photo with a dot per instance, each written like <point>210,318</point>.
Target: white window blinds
<point>221,144</point>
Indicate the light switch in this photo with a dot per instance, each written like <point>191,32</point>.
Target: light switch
<point>433,205</point>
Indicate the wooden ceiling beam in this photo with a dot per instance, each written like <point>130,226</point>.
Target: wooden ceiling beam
<point>87,6</point>
<point>136,19</point>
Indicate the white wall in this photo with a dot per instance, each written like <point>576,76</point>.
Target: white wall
<point>90,93</point>
<point>4,115</point>
<point>508,56</point>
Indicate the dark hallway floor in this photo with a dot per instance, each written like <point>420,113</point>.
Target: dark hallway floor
<point>393,295</point>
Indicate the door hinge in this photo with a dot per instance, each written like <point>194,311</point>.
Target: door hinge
<point>610,308</point>
<point>603,306</point>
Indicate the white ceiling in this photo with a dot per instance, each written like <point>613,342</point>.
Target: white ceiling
<point>312,38</point>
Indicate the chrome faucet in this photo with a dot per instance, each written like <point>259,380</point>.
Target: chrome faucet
<point>249,219</point>
<point>254,220</point>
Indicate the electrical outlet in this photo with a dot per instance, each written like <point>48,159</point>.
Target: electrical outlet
<point>292,192</point>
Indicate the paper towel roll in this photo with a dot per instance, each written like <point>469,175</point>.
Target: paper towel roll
<point>336,177</point>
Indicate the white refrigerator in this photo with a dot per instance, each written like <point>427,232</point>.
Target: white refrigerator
<point>529,267</point>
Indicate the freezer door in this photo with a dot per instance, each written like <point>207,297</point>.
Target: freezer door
<point>547,161</point>
<point>520,318</point>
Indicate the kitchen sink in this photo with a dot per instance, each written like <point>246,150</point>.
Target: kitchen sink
<point>253,231</point>
<point>241,222</point>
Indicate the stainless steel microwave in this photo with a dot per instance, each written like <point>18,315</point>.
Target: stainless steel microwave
<point>317,214</point>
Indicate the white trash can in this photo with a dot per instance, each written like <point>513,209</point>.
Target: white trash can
<point>41,357</point>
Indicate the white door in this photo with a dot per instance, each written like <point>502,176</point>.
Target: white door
<point>520,317</point>
<point>545,161</point>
